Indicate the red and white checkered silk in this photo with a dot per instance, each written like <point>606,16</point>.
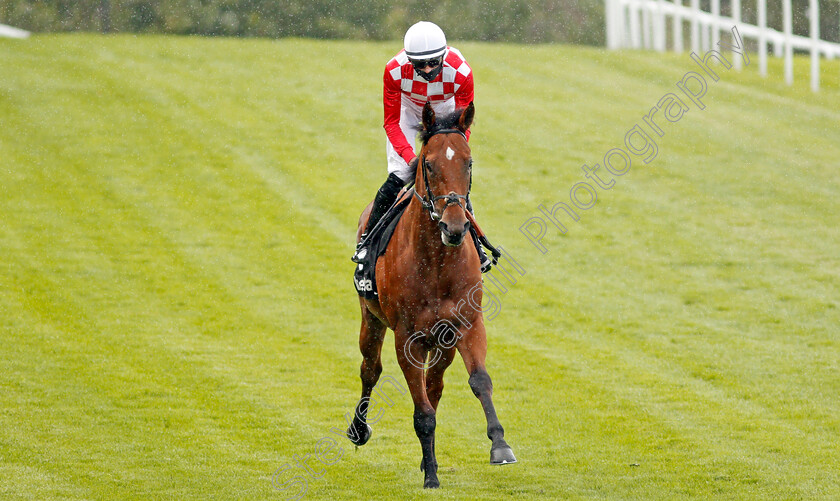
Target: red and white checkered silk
<point>400,79</point>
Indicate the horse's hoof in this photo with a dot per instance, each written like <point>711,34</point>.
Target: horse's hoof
<point>502,455</point>
<point>360,438</point>
<point>431,483</point>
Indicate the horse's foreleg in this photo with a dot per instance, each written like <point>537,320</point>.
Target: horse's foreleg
<point>411,359</point>
<point>434,382</point>
<point>474,353</point>
<point>434,375</point>
<point>370,344</point>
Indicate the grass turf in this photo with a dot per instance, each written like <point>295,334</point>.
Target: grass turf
<point>177,312</point>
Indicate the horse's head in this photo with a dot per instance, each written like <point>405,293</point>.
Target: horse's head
<point>444,172</point>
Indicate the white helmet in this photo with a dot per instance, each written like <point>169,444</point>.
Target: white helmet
<point>424,40</point>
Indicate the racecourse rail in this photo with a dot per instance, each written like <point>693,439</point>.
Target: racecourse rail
<point>642,24</point>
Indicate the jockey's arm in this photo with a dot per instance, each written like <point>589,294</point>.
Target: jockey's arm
<point>391,97</point>
<point>465,95</point>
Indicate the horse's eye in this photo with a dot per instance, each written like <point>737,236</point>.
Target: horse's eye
<point>429,168</point>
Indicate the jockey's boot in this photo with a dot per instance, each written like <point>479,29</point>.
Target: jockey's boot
<point>385,198</point>
<point>486,264</point>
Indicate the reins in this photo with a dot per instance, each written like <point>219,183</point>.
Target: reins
<point>428,200</point>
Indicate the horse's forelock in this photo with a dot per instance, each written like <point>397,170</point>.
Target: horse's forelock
<point>448,121</point>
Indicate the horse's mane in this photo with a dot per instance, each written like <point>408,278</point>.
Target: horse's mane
<point>448,121</point>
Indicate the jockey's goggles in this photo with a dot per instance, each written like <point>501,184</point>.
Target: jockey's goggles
<point>420,64</point>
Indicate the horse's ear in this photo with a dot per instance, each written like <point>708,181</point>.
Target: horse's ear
<point>466,117</point>
<point>428,116</point>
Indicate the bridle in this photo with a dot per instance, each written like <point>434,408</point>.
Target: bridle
<point>428,200</point>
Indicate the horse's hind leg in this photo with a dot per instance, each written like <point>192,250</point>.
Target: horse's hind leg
<point>473,353</point>
<point>370,344</point>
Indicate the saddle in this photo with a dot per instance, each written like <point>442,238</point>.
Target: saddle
<point>364,277</point>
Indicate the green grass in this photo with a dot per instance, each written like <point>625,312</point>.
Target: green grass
<point>177,316</point>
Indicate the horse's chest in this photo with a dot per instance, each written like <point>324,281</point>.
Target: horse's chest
<point>436,312</point>
<point>414,296</point>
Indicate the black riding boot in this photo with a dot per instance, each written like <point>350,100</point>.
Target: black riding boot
<point>486,264</point>
<point>385,198</point>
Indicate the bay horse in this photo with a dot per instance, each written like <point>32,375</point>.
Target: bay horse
<point>423,280</point>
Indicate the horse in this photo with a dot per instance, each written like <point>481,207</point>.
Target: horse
<point>424,279</point>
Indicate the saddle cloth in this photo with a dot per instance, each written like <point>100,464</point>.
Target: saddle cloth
<point>364,277</point>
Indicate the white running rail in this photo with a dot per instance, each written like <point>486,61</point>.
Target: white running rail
<point>10,32</point>
<point>641,24</point>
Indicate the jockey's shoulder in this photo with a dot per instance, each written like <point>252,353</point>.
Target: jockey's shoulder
<point>455,60</point>
<point>454,55</point>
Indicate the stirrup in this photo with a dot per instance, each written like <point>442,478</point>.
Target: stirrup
<point>359,256</point>
<point>484,261</point>
<point>361,249</point>
<point>486,264</point>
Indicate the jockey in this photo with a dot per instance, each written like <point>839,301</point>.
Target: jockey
<point>426,70</point>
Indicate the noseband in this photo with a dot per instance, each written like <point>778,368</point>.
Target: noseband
<point>428,200</point>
